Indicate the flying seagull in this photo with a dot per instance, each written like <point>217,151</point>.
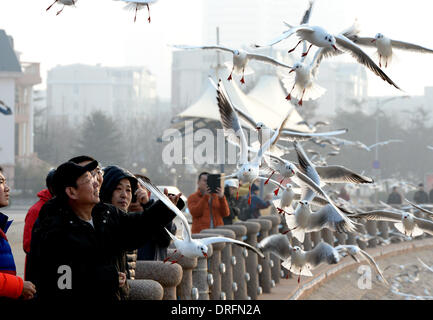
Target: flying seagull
<point>188,246</point>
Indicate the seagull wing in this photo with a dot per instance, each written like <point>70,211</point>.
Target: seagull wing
<point>323,252</point>
<point>221,48</point>
<point>350,249</point>
<point>379,215</point>
<point>307,14</point>
<point>145,182</point>
<point>245,116</point>
<point>286,34</point>
<point>409,46</point>
<point>272,141</point>
<point>383,143</point>
<point>267,59</point>
<point>425,225</point>
<point>418,207</point>
<point>327,216</point>
<point>211,240</point>
<point>345,44</point>
<point>290,135</point>
<point>278,244</point>
<point>340,174</point>
<point>230,122</point>
<point>363,41</point>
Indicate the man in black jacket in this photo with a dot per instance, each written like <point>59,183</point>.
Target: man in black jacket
<point>78,239</point>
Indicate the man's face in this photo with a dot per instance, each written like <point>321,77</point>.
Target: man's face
<point>87,190</point>
<point>4,191</point>
<point>202,183</point>
<point>122,195</point>
<point>97,172</point>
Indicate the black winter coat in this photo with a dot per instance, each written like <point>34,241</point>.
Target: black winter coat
<point>60,238</point>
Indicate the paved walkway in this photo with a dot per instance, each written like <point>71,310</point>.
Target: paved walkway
<point>404,270</point>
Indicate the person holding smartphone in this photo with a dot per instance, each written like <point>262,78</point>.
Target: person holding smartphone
<point>208,206</point>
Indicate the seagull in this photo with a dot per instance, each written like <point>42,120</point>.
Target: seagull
<point>419,207</point>
<point>355,252</point>
<point>382,143</point>
<point>189,247</point>
<point>283,204</point>
<point>249,170</point>
<point>7,111</point>
<point>303,220</point>
<point>285,134</point>
<point>328,174</point>
<point>321,38</point>
<point>385,45</point>
<point>240,58</point>
<point>138,5</point>
<point>64,2</point>
<point>306,74</point>
<point>295,259</point>
<point>405,222</point>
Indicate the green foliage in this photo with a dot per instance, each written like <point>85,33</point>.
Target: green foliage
<point>101,139</point>
<point>30,179</point>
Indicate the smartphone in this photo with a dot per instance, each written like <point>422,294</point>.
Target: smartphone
<point>213,182</point>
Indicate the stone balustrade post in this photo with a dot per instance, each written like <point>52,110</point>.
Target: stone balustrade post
<point>226,266</point>
<point>214,265</point>
<point>238,263</point>
<point>276,264</point>
<point>168,275</point>
<point>201,279</point>
<point>252,262</point>
<point>265,279</point>
<point>184,288</point>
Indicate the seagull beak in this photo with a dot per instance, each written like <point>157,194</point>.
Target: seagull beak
<point>205,254</point>
<point>292,70</point>
<point>334,47</point>
<point>258,128</point>
<point>293,171</point>
<point>374,40</point>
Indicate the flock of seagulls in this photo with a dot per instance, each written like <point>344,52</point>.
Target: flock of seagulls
<point>305,203</point>
<point>133,5</point>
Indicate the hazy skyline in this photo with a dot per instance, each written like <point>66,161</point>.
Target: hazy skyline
<point>100,31</point>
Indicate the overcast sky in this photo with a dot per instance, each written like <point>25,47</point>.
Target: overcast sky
<point>100,31</point>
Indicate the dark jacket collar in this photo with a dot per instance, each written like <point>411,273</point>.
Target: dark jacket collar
<point>5,223</point>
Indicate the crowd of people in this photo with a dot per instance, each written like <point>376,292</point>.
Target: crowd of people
<point>420,196</point>
<point>78,234</point>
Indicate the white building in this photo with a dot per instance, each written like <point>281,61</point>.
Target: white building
<point>75,91</point>
<point>17,79</point>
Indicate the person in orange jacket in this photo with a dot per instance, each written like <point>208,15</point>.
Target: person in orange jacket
<point>207,209</point>
<point>11,286</point>
<point>33,213</point>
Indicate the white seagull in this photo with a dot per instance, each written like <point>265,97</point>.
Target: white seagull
<point>405,222</point>
<point>295,259</point>
<point>385,45</point>
<point>64,2</point>
<point>303,220</point>
<point>321,38</point>
<point>249,170</point>
<point>240,58</point>
<point>301,262</point>
<point>138,5</point>
<point>189,247</point>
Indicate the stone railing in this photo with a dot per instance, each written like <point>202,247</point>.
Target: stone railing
<point>232,272</point>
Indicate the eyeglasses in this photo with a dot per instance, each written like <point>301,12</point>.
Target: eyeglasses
<point>96,171</point>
